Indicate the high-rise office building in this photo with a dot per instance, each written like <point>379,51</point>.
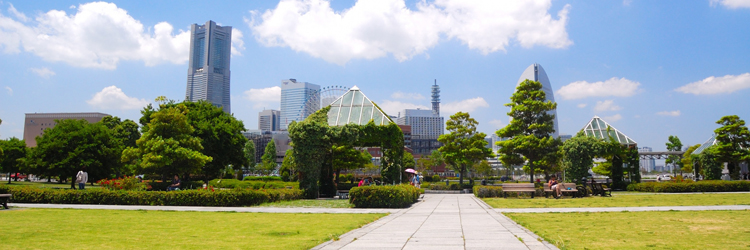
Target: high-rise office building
<point>269,120</point>
<point>294,96</point>
<point>647,165</point>
<point>535,72</point>
<point>208,69</point>
<point>426,125</point>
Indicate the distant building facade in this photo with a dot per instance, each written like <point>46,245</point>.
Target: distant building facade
<point>208,69</point>
<point>294,95</point>
<point>647,165</point>
<point>262,138</point>
<point>36,123</point>
<point>269,120</point>
<point>535,72</point>
<point>426,127</point>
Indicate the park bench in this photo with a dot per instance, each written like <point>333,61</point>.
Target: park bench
<point>342,194</point>
<point>599,189</point>
<point>4,199</point>
<point>573,189</point>
<point>518,187</point>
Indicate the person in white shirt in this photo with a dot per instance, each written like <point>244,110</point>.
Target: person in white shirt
<point>81,178</point>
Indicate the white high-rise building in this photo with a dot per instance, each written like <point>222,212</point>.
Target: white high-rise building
<point>535,72</point>
<point>208,70</point>
<point>269,120</point>
<point>294,95</point>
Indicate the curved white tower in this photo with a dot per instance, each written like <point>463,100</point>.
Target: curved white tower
<point>535,72</point>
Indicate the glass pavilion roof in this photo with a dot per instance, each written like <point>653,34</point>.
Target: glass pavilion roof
<point>355,108</point>
<point>598,129</point>
<point>710,142</point>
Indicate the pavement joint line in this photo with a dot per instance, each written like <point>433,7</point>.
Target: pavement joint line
<point>422,224</point>
<point>621,209</point>
<point>461,222</point>
<point>507,220</point>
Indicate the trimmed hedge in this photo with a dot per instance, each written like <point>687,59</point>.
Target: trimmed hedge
<point>488,191</point>
<point>223,198</point>
<point>346,186</point>
<point>686,187</point>
<point>397,196</point>
<point>262,178</point>
<point>233,183</point>
<point>442,186</point>
<point>162,186</point>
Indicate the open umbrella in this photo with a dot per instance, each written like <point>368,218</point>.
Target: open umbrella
<point>409,170</point>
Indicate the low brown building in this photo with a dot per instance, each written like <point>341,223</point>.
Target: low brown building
<point>36,123</point>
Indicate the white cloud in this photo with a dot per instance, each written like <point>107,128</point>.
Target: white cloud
<point>43,72</point>
<point>608,105</point>
<point>731,4</point>
<point>267,97</point>
<point>613,87</point>
<point>376,28</point>
<point>497,123</point>
<point>238,45</point>
<point>409,96</point>
<point>10,91</point>
<point>613,118</point>
<point>468,105</point>
<point>582,105</point>
<point>669,113</point>
<point>717,85</point>
<point>627,2</point>
<point>97,35</point>
<point>19,15</point>
<point>112,97</point>
<point>394,107</point>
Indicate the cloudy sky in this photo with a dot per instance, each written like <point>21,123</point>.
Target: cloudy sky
<point>650,68</point>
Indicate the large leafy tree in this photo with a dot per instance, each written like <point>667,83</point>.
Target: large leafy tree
<point>687,159</point>
<point>463,145</point>
<point>732,143</point>
<point>530,129</point>
<point>14,153</point>
<point>72,144</point>
<point>288,168</point>
<point>674,144</point>
<point>249,151</point>
<point>220,134</point>
<point>126,134</point>
<point>708,162</point>
<point>269,157</point>
<point>347,158</point>
<point>168,146</point>
<point>580,152</point>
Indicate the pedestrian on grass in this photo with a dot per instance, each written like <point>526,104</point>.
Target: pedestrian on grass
<point>82,177</point>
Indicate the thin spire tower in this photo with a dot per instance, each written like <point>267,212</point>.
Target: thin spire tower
<point>436,99</point>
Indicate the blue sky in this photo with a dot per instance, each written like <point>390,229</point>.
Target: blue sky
<point>650,68</point>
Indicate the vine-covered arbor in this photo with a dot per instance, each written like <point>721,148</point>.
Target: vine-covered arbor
<point>353,120</point>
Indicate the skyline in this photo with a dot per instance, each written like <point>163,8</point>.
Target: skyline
<point>649,69</point>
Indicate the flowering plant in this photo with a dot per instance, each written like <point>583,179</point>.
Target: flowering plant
<point>123,183</point>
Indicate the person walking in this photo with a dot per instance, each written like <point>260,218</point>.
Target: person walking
<point>81,178</point>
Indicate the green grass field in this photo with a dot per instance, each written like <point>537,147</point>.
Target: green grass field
<point>641,230</point>
<point>625,200</point>
<point>118,229</point>
<point>42,184</point>
<point>321,203</point>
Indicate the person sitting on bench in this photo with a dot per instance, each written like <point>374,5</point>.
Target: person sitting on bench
<point>555,186</point>
<point>175,184</point>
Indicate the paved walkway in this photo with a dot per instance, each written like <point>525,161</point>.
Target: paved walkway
<point>441,221</point>
<point>620,209</point>
<point>215,209</point>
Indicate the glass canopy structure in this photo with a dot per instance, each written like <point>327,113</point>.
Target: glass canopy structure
<point>710,142</point>
<point>598,129</point>
<point>355,108</point>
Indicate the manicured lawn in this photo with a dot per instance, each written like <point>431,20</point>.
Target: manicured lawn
<point>625,200</point>
<point>118,229</point>
<point>641,230</point>
<point>327,203</point>
<point>42,184</point>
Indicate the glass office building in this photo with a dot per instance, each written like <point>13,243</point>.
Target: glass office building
<point>208,69</point>
<point>535,72</point>
<point>294,97</point>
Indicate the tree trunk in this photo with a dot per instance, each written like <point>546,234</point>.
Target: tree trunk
<point>8,178</point>
<point>461,176</point>
<point>531,172</point>
<point>72,182</point>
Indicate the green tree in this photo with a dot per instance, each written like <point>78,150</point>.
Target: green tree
<point>249,151</point>
<point>220,134</point>
<point>709,163</point>
<point>463,145</point>
<point>483,168</point>
<point>288,168</point>
<point>348,158</point>
<point>14,152</point>
<point>687,159</point>
<point>530,129</point>
<point>125,133</point>
<point>674,144</point>
<point>579,152</point>
<point>168,146</point>
<point>732,143</point>
<point>72,144</point>
<point>269,157</point>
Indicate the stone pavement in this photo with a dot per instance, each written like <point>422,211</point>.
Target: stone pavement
<point>215,209</point>
<point>441,221</point>
<point>620,209</point>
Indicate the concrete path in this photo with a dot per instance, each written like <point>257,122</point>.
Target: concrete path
<point>215,209</point>
<point>620,209</point>
<point>441,221</point>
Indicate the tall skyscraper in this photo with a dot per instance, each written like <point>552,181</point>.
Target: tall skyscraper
<point>208,69</point>
<point>535,72</point>
<point>269,120</point>
<point>294,95</point>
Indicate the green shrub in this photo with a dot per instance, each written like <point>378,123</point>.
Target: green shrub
<point>397,196</point>
<point>262,178</point>
<point>451,186</point>
<point>346,186</point>
<point>233,184</point>
<point>488,191</point>
<point>162,186</point>
<point>202,197</point>
<point>688,186</point>
<point>435,178</point>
